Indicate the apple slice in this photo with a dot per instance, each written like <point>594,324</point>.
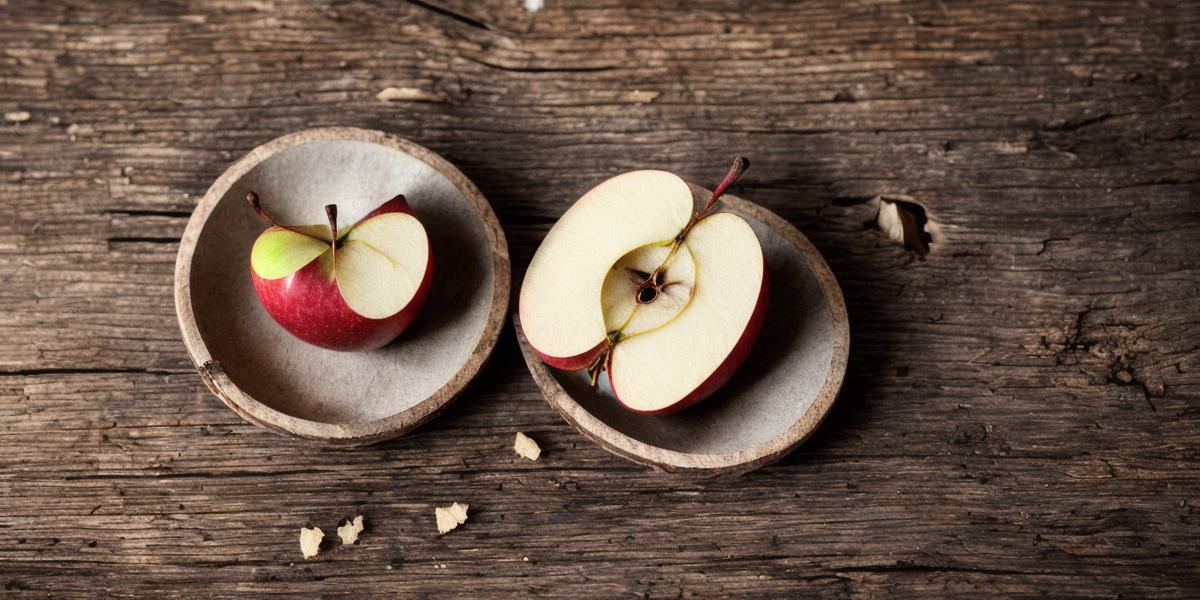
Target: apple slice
<point>631,282</point>
<point>357,293</point>
<point>382,264</point>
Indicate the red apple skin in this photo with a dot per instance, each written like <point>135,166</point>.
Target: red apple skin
<point>573,363</point>
<point>727,367</point>
<point>309,305</point>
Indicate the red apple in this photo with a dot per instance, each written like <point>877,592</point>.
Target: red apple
<point>354,289</point>
<point>631,282</point>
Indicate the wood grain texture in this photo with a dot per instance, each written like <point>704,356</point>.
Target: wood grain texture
<point>1021,413</point>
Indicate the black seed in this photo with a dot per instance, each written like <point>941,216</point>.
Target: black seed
<point>647,295</point>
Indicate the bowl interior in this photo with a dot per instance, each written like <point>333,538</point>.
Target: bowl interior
<point>779,382</point>
<point>308,382</point>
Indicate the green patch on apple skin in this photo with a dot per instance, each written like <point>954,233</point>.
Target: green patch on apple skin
<point>279,253</point>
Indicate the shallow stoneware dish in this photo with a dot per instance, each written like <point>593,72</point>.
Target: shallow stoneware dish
<point>273,379</point>
<point>774,401</point>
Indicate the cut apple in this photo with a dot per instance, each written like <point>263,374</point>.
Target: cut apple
<point>357,293</point>
<point>631,282</point>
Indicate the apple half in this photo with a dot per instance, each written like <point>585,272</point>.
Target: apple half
<point>632,282</point>
<point>354,289</point>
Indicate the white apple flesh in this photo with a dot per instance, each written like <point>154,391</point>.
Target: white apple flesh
<point>630,281</point>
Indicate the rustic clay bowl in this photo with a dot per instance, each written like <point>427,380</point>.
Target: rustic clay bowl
<point>772,404</point>
<point>273,379</point>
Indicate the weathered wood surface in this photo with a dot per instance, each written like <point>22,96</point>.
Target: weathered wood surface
<point>1022,406</point>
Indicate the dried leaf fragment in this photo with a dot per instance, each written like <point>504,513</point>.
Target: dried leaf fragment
<point>525,446</point>
<point>450,517</point>
<point>349,532</point>
<point>310,541</point>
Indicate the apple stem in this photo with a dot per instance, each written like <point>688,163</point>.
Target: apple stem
<point>739,166</point>
<point>256,204</point>
<point>603,362</point>
<point>331,214</point>
<point>252,199</point>
<point>655,280</point>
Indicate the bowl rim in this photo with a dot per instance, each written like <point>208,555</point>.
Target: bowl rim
<point>388,427</point>
<point>704,464</point>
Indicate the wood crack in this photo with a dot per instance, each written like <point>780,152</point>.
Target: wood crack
<point>134,212</point>
<point>142,240</point>
<point>89,371</point>
<point>445,12</point>
<point>903,567</point>
<point>511,69</point>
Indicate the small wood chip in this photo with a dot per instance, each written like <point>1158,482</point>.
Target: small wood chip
<point>640,96</point>
<point>450,517</point>
<point>526,447</point>
<point>349,532</point>
<point>17,116</point>
<point>408,94</point>
<point>310,541</point>
<point>905,223</point>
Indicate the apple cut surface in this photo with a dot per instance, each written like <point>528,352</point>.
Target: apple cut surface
<point>561,298</point>
<point>381,264</point>
<point>280,252</point>
<point>670,367</point>
<point>623,312</point>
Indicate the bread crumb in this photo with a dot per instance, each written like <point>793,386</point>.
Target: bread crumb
<point>526,447</point>
<point>450,517</point>
<point>17,116</point>
<point>310,541</point>
<point>349,532</point>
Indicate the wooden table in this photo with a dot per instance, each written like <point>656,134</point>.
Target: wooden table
<point>1021,413</point>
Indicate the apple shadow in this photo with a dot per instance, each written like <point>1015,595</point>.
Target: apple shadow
<point>459,271</point>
